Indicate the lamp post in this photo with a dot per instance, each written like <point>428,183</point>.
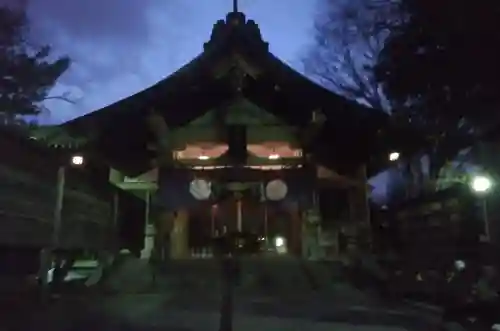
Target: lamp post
<point>46,254</point>
<point>481,186</point>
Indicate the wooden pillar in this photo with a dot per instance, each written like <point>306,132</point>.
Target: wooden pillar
<point>162,229</point>
<point>148,229</point>
<point>311,220</point>
<point>266,221</point>
<point>46,253</point>
<point>360,208</point>
<point>213,218</point>
<point>239,215</point>
<point>179,246</point>
<point>295,241</point>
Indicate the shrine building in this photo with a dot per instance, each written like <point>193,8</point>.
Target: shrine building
<point>236,140</point>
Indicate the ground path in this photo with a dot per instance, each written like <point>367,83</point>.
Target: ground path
<point>276,294</point>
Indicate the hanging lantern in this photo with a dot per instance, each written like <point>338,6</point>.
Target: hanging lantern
<point>200,189</point>
<point>276,190</point>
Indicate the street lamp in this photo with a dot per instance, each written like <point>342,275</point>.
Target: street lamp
<point>77,160</point>
<point>482,185</point>
<point>394,156</point>
<point>279,241</point>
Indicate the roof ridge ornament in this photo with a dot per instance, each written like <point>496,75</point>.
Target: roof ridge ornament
<point>236,27</point>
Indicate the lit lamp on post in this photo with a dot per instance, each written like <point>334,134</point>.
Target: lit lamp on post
<point>77,160</point>
<point>393,156</point>
<point>47,252</point>
<point>481,186</point>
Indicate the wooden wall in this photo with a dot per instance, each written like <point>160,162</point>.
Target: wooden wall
<point>28,179</point>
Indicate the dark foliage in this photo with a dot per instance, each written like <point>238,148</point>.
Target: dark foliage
<point>439,67</point>
<point>444,62</point>
<point>350,38</point>
<point>27,72</point>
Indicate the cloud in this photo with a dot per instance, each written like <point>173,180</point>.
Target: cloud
<point>103,38</point>
<point>93,19</point>
<point>119,47</point>
<point>106,41</point>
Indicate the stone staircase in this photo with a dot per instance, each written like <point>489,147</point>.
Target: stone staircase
<point>258,279</point>
<point>256,276</point>
<point>268,287</point>
<point>195,274</point>
<point>273,275</point>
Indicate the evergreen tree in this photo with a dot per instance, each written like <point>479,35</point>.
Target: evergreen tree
<point>27,72</point>
<point>443,60</point>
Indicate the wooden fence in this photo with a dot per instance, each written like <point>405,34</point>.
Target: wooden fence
<point>430,230</point>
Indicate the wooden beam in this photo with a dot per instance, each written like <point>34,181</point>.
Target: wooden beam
<point>251,161</point>
<point>256,134</point>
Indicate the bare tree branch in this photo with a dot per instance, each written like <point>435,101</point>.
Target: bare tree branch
<point>348,39</point>
<point>61,98</point>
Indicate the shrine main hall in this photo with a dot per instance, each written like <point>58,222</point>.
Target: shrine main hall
<point>236,140</point>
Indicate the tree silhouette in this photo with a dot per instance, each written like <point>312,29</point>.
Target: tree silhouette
<point>443,60</point>
<point>348,37</point>
<point>441,64</point>
<point>356,42</point>
<point>27,72</point>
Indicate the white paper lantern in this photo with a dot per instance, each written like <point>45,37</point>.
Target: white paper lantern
<point>200,189</point>
<point>276,190</point>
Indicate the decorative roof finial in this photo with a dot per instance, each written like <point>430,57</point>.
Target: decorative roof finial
<point>235,6</point>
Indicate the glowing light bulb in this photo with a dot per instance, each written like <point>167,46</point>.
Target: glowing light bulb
<point>394,156</point>
<point>274,157</point>
<point>77,160</point>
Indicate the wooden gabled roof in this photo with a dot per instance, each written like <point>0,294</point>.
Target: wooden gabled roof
<point>236,62</point>
<point>205,82</point>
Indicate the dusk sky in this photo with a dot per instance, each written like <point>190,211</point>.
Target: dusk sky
<point>120,47</point>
